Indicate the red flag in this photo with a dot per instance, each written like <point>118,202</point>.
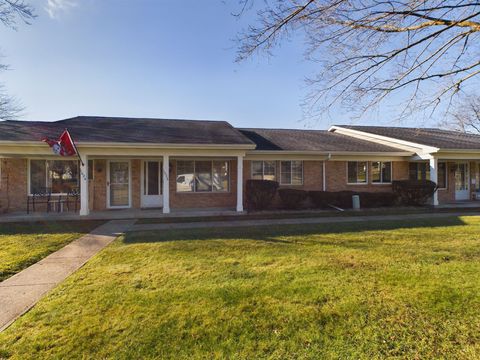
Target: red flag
<point>64,146</point>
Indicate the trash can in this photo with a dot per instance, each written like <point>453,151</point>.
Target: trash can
<point>356,202</point>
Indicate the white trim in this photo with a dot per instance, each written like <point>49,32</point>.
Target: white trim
<point>84,184</point>
<point>144,181</point>
<point>166,183</point>
<point>129,161</point>
<point>290,184</point>
<point>366,173</point>
<point>239,183</point>
<point>467,180</point>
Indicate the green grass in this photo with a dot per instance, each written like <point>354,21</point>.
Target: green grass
<point>350,291</point>
<point>23,244</point>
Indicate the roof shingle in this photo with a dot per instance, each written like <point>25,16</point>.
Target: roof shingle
<point>311,140</point>
<point>127,130</point>
<point>443,139</point>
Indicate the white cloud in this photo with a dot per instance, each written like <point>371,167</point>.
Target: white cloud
<point>55,7</point>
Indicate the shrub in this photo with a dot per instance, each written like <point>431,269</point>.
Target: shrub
<point>377,199</point>
<point>323,199</point>
<point>292,198</point>
<point>260,193</point>
<point>414,192</point>
<point>343,199</point>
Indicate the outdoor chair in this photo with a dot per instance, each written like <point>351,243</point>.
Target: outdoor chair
<point>41,196</point>
<point>73,199</point>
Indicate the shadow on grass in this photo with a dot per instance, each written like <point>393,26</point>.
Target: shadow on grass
<point>49,227</point>
<point>271,233</point>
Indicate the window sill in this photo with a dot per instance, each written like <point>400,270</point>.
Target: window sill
<point>357,183</point>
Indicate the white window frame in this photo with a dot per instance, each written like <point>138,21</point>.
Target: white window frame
<point>381,182</point>
<point>366,173</point>
<point>263,168</point>
<point>290,161</point>
<point>194,171</point>
<point>29,185</point>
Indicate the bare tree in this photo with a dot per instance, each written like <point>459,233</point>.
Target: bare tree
<point>12,12</point>
<point>465,116</point>
<point>421,52</point>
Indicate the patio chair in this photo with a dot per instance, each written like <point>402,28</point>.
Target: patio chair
<point>73,198</point>
<point>41,196</point>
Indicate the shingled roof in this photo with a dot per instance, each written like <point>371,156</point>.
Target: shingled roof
<point>443,139</point>
<point>311,140</point>
<point>127,130</point>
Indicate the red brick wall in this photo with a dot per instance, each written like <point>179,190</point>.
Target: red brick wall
<point>13,186</point>
<point>448,195</point>
<point>337,177</point>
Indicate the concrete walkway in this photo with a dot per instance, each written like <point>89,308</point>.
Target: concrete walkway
<point>23,290</point>
<point>297,221</point>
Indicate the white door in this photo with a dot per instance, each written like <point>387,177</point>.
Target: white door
<point>118,184</point>
<point>462,190</point>
<point>152,184</point>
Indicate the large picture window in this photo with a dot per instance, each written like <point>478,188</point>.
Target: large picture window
<point>291,172</point>
<point>202,176</point>
<point>421,171</point>
<point>381,172</point>
<point>59,176</point>
<point>263,170</point>
<point>357,172</point>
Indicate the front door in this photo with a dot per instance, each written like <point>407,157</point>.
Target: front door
<point>152,184</point>
<point>462,190</point>
<point>118,184</point>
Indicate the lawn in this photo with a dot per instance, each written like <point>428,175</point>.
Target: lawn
<point>352,291</point>
<point>23,244</point>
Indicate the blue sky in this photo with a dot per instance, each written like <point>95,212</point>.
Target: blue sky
<point>152,58</point>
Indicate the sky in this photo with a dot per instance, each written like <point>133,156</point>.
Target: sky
<point>153,58</point>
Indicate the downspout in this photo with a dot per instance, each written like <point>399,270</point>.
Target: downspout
<point>324,180</point>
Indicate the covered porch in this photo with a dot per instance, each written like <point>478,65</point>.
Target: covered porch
<point>457,176</point>
<point>148,182</point>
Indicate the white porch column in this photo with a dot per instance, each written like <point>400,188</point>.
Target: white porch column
<point>434,177</point>
<point>239,183</point>
<point>84,209</point>
<point>166,184</point>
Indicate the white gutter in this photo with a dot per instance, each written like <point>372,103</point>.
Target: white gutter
<point>324,180</point>
<point>329,154</point>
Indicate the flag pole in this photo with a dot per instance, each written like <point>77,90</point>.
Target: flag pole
<point>75,146</point>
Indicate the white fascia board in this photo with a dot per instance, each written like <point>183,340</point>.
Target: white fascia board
<point>385,140</point>
<point>332,156</point>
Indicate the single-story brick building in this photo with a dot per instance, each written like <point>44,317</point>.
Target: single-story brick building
<point>185,164</point>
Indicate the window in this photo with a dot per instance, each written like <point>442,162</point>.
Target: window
<point>291,172</point>
<point>263,170</point>
<point>357,172</point>
<point>61,176</point>
<point>421,171</point>
<point>202,176</point>
<point>381,172</point>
